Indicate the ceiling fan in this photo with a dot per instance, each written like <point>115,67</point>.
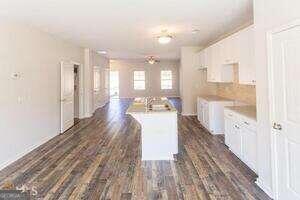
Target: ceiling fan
<point>151,60</point>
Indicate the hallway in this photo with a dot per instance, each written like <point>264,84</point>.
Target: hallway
<point>100,158</point>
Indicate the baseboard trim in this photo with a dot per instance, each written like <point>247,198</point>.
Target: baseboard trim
<point>20,155</point>
<point>142,96</point>
<point>266,189</point>
<point>188,114</point>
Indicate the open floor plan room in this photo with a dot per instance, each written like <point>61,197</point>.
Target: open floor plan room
<point>145,100</point>
<point>100,158</point>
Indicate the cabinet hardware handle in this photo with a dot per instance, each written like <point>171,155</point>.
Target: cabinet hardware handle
<point>277,126</point>
<point>236,127</point>
<point>246,123</point>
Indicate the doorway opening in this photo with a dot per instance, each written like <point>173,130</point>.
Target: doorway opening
<point>76,94</point>
<point>114,84</point>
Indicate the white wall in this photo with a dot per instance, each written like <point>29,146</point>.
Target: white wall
<point>192,81</point>
<point>30,106</point>
<point>126,68</point>
<point>94,101</point>
<point>268,14</point>
<point>101,97</point>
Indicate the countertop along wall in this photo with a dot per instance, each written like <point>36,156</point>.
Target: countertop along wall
<point>126,68</point>
<point>30,104</point>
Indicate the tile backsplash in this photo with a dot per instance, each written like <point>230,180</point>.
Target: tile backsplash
<point>244,93</point>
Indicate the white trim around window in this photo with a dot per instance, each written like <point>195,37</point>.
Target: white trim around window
<point>166,80</point>
<point>139,80</point>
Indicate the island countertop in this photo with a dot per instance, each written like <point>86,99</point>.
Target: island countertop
<point>159,132</point>
<point>151,105</point>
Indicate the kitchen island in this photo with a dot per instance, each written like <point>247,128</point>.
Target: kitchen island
<point>158,120</point>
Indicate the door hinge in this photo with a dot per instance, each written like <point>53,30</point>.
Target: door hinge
<point>277,126</point>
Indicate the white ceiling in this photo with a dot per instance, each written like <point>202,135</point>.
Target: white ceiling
<point>127,29</point>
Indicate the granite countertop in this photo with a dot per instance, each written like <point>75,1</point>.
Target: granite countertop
<point>139,106</point>
<point>248,111</point>
<point>214,98</point>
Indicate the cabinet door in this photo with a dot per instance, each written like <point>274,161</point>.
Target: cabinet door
<point>231,49</point>
<point>227,50</point>
<point>202,58</point>
<point>206,115</point>
<point>207,57</point>
<point>200,111</point>
<point>249,147</point>
<point>246,56</point>
<point>213,72</point>
<point>236,141</point>
<point>196,62</point>
<point>208,62</point>
<point>228,132</point>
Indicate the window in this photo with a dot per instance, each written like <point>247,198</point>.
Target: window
<point>139,80</point>
<point>166,79</point>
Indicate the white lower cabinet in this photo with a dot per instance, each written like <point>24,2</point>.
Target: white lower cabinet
<point>211,112</point>
<point>236,140</point>
<point>248,138</point>
<point>240,137</point>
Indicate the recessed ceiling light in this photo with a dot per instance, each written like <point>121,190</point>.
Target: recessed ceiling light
<point>102,52</point>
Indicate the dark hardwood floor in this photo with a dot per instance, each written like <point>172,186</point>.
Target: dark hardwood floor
<point>100,158</point>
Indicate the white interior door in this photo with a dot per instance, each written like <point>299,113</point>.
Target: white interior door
<point>285,83</point>
<point>67,96</point>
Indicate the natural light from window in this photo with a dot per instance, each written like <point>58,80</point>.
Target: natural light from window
<point>166,79</point>
<point>139,80</point>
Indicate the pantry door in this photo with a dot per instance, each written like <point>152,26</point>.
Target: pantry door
<point>284,66</point>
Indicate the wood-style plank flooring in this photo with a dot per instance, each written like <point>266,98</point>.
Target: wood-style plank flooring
<point>100,158</point>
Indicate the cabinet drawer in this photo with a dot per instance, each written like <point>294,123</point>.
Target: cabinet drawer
<point>248,123</point>
<point>229,114</point>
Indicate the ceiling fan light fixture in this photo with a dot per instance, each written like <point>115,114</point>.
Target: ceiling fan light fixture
<point>151,60</point>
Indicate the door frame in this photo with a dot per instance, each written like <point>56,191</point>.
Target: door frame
<point>274,163</point>
<point>81,88</point>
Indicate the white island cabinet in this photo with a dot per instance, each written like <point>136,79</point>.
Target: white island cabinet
<point>158,120</point>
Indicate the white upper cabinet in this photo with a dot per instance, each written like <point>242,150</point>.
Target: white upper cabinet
<point>199,60</point>
<point>230,49</point>
<point>218,70</point>
<point>246,56</point>
<point>220,57</point>
<point>213,70</point>
<point>207,56</point>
